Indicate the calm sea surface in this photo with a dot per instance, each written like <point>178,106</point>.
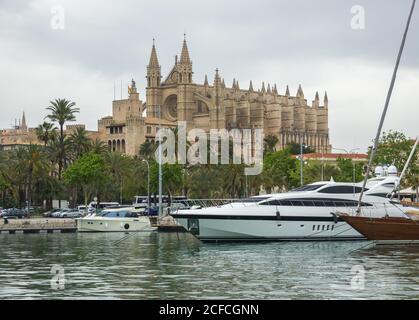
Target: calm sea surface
<point>177,266</point>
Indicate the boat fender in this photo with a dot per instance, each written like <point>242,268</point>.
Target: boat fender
<point>278,215</point>
<point>126,226</point>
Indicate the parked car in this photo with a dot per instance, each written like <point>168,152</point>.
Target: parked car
<point>50,213</point>
<point>59,213</point>
<point>3,212</point>
<point>71,214</point>
<point>15,213</point>
<point>82,209</point>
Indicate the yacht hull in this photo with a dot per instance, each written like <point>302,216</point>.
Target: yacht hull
<point>257,228</point>
<point>386,230</point>
<point>113,225</point>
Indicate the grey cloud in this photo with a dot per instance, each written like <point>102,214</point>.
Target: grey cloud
<point>292,41</point>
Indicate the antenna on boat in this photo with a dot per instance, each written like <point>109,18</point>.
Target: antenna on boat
<point>383,115</point>
<point>405,167</point>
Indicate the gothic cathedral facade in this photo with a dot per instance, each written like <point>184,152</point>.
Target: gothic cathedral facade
<point>213,106</point>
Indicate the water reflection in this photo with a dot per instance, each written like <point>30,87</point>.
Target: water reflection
<point>177,266</point>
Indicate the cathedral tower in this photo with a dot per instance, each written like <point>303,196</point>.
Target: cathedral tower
<point>185,97</point>
<point>153,84</point>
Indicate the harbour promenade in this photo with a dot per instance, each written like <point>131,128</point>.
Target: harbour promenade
<point>37,225</point>
<point>63,225</point>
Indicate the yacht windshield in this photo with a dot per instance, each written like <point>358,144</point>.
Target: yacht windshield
<point>309,187</point>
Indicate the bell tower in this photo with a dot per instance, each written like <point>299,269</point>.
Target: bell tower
<point>185,97</point>
<point>153,91</point>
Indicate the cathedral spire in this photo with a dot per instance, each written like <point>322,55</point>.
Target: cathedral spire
<point>153,69</point>
<point>217,79</point>
<point>206,81</point>
<point>251,86</point>
<point>287,91</point>
<point>316,101</point>
<point>269,88</point>
<point>237,85</point>
<point>154,62</point>
<point>184,67</point>
<point>326,100</point>
<point>23,122</point>
<point>223,84</point>
<point>275,90</point>
<point>300,93</point>
<point>263,87</point>
<point>184,56</point>
<point>217,86</point>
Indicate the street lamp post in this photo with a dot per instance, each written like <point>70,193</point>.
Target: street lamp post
<point>302,147</point>
<point>148,185</point>
<point>160,169</point>
<point>301,163</point>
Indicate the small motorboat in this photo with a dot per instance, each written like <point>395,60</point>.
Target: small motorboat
<point>119,219</point>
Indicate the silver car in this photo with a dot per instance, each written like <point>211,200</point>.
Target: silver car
<point>71,214</point>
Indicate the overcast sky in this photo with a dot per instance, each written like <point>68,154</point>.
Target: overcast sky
<point>283,42</point>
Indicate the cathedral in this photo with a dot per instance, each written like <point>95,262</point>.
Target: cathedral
<point>212,106</point>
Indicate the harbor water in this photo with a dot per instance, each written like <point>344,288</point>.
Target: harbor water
<point>177,266</point>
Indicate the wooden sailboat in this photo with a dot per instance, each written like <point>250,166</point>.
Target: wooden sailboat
<point>388,229</point>
<point>385,230</point>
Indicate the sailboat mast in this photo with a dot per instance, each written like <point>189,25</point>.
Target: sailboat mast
<point>383,115</point>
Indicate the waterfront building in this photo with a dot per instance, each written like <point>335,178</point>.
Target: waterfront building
<point>177,97</point>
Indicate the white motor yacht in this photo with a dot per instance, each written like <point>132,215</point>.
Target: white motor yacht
<point>306,213</point>
<point>119,219</point>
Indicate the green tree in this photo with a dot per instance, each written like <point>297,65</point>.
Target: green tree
<point>348,170</point>
<point>32,166</point>
<point>89,171</point>
<point>394,148</point>
<point>46,132</point>
<point>61,111</point>
<point>121,169</point>
<point>147,149</point>
<point>172,178</point>
<point>295,148</point>
<point>277,169</point>
<point>270,142</point>
<point>99,147</point>
<point>79,142</point>
<point>412,179</point>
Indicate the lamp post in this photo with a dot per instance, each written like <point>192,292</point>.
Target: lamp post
<point>148,185</point>
<point>302,147</point>
<point>160,169</point>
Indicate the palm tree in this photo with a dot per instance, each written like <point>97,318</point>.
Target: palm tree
<point>45,132</point>
<point>32,166</point>
<point>234,180</point>
<point>120,167</point>
<point>147,149</point>
<point>270,142</point>
<point>62,110</point>
<point>79,142</point>
<point>98,146</point>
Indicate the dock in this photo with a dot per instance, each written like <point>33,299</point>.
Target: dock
<point>168,224</point>
<point>37,225</point>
